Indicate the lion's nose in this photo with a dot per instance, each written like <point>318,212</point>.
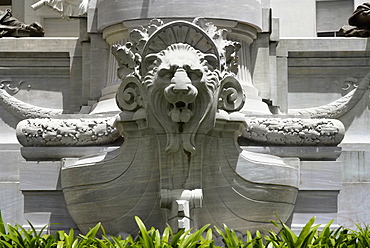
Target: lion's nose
<point>181,81</point>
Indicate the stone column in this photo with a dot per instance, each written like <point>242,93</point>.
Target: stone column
<point>246,35</point>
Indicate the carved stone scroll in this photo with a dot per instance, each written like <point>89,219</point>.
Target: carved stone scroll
<point>339,107</point>
<point>24,110</point>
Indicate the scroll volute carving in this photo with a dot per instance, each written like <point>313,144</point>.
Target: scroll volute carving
<point>130,94</point>
<point>231,96</point>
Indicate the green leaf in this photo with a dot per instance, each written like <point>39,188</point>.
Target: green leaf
<point>15,236</point>
<point>324,237</point>
<point>93,231</point>
<point>144,235</point>
<point>5,244</point>
<point>230,237</point>
<point>287,234</point>
<point>176,237</point>
<point>60,244</point>
<point>209,235</point>
<point>258,240</point>
<point>219,231</point>
<point>166,235</point>
<point>191,239</point>
<point>2,225</point>
<point>305,233</point>
<point>119,243</point>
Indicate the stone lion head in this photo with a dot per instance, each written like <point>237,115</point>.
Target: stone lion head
<point>182,86</point>
<point>181,79</point>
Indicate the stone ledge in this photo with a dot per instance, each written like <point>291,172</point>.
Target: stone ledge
<point>57,153</point>
<point>304,153</point>
<point>320,175</point>
<point>56,44</point>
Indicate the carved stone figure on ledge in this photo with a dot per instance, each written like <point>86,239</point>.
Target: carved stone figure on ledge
<point>66,8</point>
<point>359,22</point>
<point>12,27</point>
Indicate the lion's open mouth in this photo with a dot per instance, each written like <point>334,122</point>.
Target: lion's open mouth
<point>180,112</point>
<point>180,104</point>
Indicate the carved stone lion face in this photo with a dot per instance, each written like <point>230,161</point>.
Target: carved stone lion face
<point>182,89</point>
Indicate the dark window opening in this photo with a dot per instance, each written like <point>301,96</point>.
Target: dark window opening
<point>5,2</point>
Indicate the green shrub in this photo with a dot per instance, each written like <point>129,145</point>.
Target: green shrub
<point>310,237</point>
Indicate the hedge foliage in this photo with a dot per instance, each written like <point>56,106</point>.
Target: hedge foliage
<point>310,236</point>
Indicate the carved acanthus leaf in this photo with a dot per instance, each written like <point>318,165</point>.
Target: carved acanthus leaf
<point>337,108</point>
<point>126,58</point>
<point>226,48</point>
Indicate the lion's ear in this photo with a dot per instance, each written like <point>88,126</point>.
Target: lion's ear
<point>148,62</point>
<point>212,61</point>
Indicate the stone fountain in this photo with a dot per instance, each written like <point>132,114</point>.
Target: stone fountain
<point>180,162</point>
<point>180,92</point>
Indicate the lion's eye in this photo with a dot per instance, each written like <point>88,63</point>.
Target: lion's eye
<point>164,73</point>
<point>195,74</point>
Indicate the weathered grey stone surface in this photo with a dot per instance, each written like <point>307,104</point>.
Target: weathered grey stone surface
<point>111,12</point>
<point>38,73</point>
<point>11,203</point>
<point>43,199</point>
<point>59,153</point>
<point>353,204</point>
